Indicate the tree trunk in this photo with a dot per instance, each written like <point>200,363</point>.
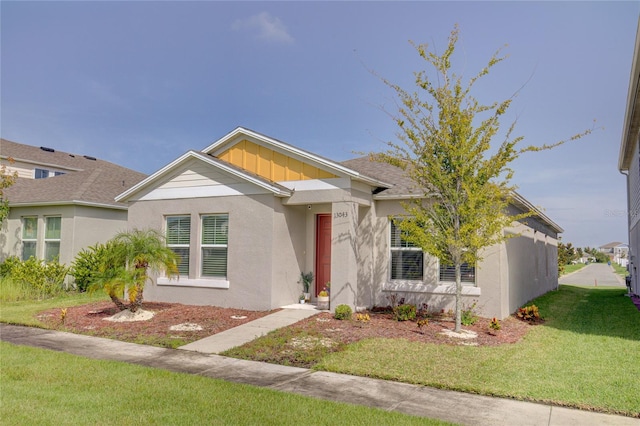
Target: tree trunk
<point>458,327</point>
<point>137,302</point>
<point>117,301</point>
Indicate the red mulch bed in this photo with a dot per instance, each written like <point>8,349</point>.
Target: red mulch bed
<point>90,319</point>
<point>383,325</point>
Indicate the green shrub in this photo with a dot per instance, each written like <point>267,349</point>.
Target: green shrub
<point>528,313</point>
<point>468,315</point>
<point>405,312</point>
<point>343,312</point>
<point>7,266</point>
<point>85,265</point>
<point>45,278</point>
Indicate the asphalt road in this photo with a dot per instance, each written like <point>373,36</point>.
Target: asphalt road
<point>595,274</point>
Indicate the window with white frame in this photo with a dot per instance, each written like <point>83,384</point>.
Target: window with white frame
<point>41,173</point>
<point>215,230</point>
<point>178,234</point>
<point>29,237</point>
<point>407,260</point>
<point>53,225</point>
<point>467,272</point>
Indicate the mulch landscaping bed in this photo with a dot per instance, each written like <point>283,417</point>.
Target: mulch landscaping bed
<point>383,325</point>
<point>90,319</point>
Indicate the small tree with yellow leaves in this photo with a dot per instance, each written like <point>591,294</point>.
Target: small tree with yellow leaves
<point>445,136</point>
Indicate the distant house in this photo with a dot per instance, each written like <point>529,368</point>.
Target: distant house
<point>249,213</point>
<point>61,202</point>
<point>618,252</point>
<point>629,164</point>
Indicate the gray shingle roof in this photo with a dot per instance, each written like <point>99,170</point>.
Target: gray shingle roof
<point>403,186</point>
<point>88,180</point>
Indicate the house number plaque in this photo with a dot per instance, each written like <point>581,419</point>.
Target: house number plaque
<point>338,215</point>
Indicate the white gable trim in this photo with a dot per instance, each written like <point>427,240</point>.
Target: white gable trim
<point>169,168</point>
<point>240,133</point>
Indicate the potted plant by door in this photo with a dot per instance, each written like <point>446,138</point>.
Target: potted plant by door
<point>302,299</point>
<point>306,280</point>
<point>323,299</point>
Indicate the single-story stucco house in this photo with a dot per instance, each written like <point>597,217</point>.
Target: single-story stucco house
<point>629,165</point>
<point>249,213</point>
<point>60,202</point>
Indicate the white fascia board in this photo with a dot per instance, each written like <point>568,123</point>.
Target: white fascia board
<point>214,149</point>
<point>522,202</point>
<point>69,203</point>
<point>193,154</point>
<point>631,110</point>
<point>399,196</point>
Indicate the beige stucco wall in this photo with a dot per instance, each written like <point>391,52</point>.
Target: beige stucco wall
<point>81,227</point>
<point>265,250</point>
<point>633,212</point>
<point>509,275</point>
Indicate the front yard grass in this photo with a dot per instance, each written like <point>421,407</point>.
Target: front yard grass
<point>24,312</point>
<point>581,357</point>
<point>572,268</point>
<point>45,387</point>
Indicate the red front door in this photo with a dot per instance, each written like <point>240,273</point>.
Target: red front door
<point>323,251</point>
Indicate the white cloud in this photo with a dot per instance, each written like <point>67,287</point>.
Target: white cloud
<point>269,28</point>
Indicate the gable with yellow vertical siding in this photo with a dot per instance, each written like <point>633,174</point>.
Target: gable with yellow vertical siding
<point>271,164</point>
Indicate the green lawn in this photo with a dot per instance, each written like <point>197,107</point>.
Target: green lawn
<point>580,357</point>
<point>572,268</point>
<point>50,388</point>
<point>620,270</point>
<point>24,312</point>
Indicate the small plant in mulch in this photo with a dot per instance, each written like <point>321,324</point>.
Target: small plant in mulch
<point>422,323</point>
<point>405,312</point>
<point>363,317</point>
<point>468,315</point>
<point>494,326</point>
<point>343,312</point>
<point>530,314</point>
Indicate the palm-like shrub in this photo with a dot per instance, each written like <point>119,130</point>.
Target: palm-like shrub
<point>126,262</point>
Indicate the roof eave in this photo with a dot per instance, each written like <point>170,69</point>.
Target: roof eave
<point>632,113</point>
<point>390,197</point>
<point>69,203</point>
<point>523,203</point>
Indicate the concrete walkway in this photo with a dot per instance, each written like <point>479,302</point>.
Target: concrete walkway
<point>244,333</point>
<point>456,407</point>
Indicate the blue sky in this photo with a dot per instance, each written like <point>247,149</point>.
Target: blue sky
<point>140,83</point>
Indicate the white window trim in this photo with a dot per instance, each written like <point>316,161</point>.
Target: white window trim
<point>440,288</point>
<point>180,245</point>
<point>401,249</point>
<point>190,282</point>
<point>52,240</point>
<point>202,246</point>
<point>29,240</point>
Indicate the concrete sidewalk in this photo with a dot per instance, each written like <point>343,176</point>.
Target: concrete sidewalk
<point>456,407</point>
<point>244,333</point>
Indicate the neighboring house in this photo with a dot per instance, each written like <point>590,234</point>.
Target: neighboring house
<point>248,213</point>
<point>629,165</point>
<point>61,202</point>
<point>618,252</point>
